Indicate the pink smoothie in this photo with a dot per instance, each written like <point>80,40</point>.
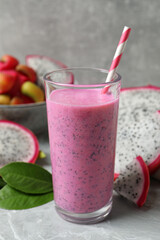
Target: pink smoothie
<point>82,131</point>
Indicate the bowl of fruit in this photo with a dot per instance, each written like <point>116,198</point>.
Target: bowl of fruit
<point>22,97</point>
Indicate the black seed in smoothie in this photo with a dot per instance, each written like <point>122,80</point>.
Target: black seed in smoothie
<point>90,177</point>
<point>92,156</point>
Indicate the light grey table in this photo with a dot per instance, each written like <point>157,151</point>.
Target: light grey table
<point>126,221</point>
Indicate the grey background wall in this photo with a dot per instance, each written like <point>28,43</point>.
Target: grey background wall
<point>85,33</point>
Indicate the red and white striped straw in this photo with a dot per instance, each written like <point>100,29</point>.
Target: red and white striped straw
<point>118,54</point>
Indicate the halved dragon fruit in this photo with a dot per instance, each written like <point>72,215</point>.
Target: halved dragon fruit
<point>133,181</point>
<point>139,128</point>
<point>43,65</point>
<point>17,143</point>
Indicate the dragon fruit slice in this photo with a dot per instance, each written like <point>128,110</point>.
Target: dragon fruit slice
<point>43,65</point>
<point>139,127</point>
<point>133,182</point>
<point>17,143</point>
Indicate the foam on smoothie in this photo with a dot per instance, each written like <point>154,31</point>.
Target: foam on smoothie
<point>80,97</point>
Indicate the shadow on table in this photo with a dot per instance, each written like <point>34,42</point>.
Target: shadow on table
<point>153,195</point>
<point>43,135</point>
<point>123,208</point>
<point>43,140</point>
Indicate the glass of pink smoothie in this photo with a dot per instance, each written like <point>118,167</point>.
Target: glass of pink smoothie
<point>82,124</point>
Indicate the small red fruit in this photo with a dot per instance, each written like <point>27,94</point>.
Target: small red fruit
<point>27,71</point>
<point>16,100</point>
<point>11,72</point>
<point>15,90</point>
<point>19,80</point>
<point>6,82</point>
<point>27,99</point>
<point>22,78</point>
<point>8,62</point>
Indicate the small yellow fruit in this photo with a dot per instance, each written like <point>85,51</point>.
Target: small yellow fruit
<point>33,91</point>
<point>5,99</point>
<point>41,155</point>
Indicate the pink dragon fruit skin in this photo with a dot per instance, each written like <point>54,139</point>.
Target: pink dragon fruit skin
<point>134,181</point>
<point>139,106</point>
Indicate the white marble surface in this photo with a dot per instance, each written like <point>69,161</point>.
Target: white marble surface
<point>126,221</point>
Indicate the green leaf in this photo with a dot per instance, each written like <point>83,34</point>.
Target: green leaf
<point>2,183</point>
<point>27,177</point>
<point>15,200</point>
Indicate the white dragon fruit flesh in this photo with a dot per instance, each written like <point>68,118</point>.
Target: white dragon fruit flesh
<point>139,128</point>
<point>43,65</point>
<point>133,181</point>
<point>17,143</point>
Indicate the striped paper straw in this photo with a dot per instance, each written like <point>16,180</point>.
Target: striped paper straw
<point>118,54</point>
